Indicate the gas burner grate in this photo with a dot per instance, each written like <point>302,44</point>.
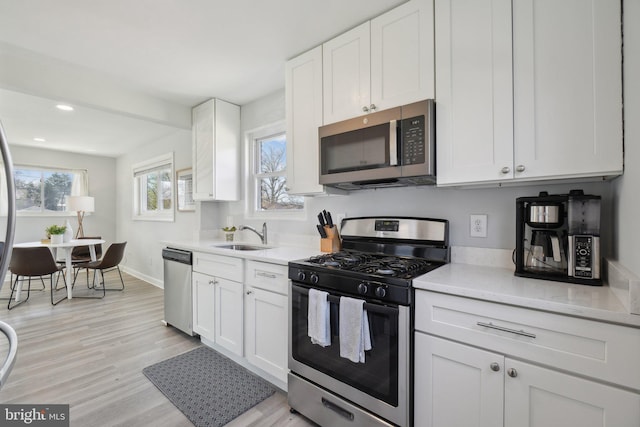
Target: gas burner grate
<point>373,264</point>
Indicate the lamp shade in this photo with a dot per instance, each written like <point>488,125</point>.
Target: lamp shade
<point>80,203</point>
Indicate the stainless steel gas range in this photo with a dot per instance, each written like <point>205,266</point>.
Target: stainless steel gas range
<point>380,258</point>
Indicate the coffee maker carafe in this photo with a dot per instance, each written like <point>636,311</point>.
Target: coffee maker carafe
<point>558,237</point>
<point>546,252</point>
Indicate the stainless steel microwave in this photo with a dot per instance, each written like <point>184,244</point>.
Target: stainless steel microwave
<point>389,148</point>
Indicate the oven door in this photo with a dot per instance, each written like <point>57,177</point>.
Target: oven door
<point>381,384</point>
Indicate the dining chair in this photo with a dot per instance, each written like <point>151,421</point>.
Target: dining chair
<point>82,254</point>
<point>110,261</point>
<point>33,262</point>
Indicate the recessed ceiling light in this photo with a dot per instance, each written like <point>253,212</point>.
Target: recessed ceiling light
<point>64,107</point>
<point>39,139</point>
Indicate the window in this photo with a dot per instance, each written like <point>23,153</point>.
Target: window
<point>270,174</point>
<point>153,189</point>
<point>43,191</point>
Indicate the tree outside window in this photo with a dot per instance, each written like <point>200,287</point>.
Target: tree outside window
<point>42,191</point>
<point>271,175</point>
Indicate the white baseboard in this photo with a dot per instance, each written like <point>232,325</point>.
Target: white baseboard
<point>149,279</point>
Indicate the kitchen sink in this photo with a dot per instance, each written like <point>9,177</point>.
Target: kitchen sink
<point>240,247</point>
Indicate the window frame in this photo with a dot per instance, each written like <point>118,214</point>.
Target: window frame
<point>83,191</point>
<point>252,205</point>
<point>139,172</point>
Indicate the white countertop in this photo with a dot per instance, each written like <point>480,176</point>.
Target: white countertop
<point>275,255</point>
<point>500,285</point>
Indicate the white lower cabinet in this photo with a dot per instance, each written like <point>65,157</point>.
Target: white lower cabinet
<point>266,331</point>
<point>266,317</point>
<point>242,306</point>
<point>482,364</point>
<point>460,385</point>
<point>204,297</point>
<point>455,386</point>
<point>539,397</point>
<point>218,303</point>
<point>229,307</point>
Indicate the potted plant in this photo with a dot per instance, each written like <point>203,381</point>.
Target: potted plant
<point>56,233</point>
<point>228,233</point>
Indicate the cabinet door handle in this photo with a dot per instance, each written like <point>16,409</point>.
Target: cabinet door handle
<point>512,372</point>
<point>267,275</point>
<point>365,109</point>
<point>373,107</point>
<point>503,329</point>
<point>520,168</point>
<point>495,367</point>
<point>505,170</point>
<point>249,292</point>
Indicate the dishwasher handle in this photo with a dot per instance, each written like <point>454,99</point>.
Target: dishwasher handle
<point>177,255</point>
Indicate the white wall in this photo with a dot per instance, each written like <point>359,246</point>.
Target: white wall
<point>143,256</point>
<point>626,190</point>
<point>101,186</point>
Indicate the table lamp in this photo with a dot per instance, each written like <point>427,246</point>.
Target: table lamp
<point>80,204</point>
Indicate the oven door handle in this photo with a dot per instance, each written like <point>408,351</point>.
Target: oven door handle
<point>373,308</point>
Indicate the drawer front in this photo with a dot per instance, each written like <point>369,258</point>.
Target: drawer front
<point>270,277</point>
<point>224,267</point>
<point>591,348</point>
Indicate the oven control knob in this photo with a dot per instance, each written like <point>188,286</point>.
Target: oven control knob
<point>363,288</point>
<point>314,278</point>
<point>381,292</point>
<point>301,276</point>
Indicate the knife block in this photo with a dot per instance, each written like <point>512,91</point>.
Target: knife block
<point>332,242</point>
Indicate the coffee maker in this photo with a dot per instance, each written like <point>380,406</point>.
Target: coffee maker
<point>558,237</point>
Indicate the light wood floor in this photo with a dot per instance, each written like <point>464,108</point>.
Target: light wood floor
<point>90,354</point>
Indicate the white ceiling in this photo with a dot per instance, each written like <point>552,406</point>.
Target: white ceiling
<point>133,69</point>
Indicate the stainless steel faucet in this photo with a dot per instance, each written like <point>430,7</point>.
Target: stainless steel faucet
<point>263,235</point>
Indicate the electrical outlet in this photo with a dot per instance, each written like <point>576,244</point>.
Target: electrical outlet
<point>478,225</point>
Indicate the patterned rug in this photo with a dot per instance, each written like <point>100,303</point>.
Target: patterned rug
<point>207,387</point>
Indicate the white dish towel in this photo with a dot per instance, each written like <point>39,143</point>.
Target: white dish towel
<point>318,326</point>
<point>354,329</point>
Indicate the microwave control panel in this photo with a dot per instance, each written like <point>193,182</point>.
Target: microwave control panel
<point>413,140</point>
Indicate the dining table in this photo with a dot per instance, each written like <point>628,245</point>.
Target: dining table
<point>67,247</point>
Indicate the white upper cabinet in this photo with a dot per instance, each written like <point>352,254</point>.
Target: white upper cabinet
<point>303,103</point>
<point>347,74</point>
<point>380,64</point>
<point>550,110</point>
<point>567,88</point>
<point>474,98</point>
<point>402,55</point>
<point>216,151</point>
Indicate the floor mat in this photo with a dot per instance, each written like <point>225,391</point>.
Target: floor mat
<point>209,388</point>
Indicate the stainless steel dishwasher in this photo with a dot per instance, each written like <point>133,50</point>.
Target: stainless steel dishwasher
<point>178,304</point>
